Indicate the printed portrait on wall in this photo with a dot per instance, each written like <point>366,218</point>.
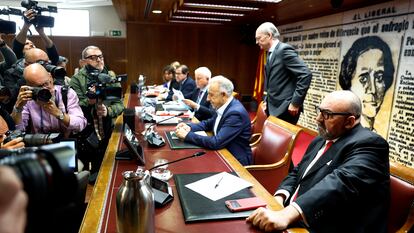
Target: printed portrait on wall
<point>367,69</point>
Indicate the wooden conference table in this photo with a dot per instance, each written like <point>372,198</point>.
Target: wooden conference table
<point>100,215</point>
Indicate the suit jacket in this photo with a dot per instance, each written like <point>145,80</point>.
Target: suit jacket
<point>187,87</point>
<point>348,188</point>
<point>233,132</point>
<point>205,111</point>
<point>174,84</point>
<point>287,79</point>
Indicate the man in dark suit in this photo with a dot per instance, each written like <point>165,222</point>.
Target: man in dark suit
<point>287,78</point>
<point>186,83</point>
<point>230,126</point>
<point>198,101</point>
<point>344,188</point>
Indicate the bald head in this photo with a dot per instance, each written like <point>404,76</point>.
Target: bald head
<point>35,74</point>
<point>34,55</point>
<point>345,101</point>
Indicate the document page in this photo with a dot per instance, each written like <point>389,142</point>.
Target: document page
<point>218,186</point>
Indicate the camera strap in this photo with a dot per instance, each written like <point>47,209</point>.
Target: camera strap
<point>64,93</point>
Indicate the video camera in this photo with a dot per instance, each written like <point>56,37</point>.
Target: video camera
<point>40,20</point>
<point>49,182</point>
<point>8,27</point>
<point>33,139</point>
<point>100,81</point>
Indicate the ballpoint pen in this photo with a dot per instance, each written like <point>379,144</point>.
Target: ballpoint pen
<point>218,182</point>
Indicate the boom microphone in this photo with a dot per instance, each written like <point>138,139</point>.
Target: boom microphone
<point>200,153</point>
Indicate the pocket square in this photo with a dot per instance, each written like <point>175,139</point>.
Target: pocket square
<point>329,163</point>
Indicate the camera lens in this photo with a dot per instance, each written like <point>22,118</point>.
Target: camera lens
<point>41,94</point>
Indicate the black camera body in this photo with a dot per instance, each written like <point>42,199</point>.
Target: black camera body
<point>7,27</point>
<point>39,93</point>
<point>58,73</point>
<point>40,20</point>
<point>102,91</point>
<point>33,139</point>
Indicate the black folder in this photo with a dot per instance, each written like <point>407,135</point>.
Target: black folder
<point>196,207</point>
<point>176,144</point>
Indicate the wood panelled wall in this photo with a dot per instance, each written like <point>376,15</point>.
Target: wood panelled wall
<point>221,49</point>
<point>148,48</point>
<point>114,50</point>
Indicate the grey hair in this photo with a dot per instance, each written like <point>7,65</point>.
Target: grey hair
<point>355,106</point>
<point>85,50</point>
<point>269,28</point>
<point>224,83</point>
<point>203,71</point>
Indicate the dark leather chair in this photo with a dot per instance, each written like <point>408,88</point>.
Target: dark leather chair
<point>257,123</point>
<point>272,153</point>
<point>401,214</point>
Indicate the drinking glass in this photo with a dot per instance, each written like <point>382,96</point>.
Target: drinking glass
<point>162,172</point>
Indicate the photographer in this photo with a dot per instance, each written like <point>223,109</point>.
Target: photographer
<point>21,44</point>
<point>100,112</point>
<point>41,104</point>
<point>13,202</point>
<point>9,58</point>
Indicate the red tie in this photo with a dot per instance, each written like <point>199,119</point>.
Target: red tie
<point>328,144</point>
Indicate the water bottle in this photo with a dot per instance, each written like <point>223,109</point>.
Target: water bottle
<point>141,82</point>
<point>135,204</point>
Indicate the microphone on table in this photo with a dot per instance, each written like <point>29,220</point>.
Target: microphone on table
<point>197,154</point>
<point>152,137</point>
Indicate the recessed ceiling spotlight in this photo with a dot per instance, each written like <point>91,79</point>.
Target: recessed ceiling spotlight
<point>200,18</point>
<point>209,13</point>
<point>157,11</point>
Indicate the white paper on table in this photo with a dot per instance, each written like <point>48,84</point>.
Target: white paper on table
<point>178,94</point>
<point>227,185</point>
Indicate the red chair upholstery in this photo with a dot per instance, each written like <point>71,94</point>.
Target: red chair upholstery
<point>302,142</point>
<point>401,214</point>
<point>257,122</point>
<point>272,154</point>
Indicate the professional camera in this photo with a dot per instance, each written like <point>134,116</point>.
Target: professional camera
<point>33,139</point>
<point>40,20</point>
<point>7,27</point>
<point>100,81</point>
<point>4,91</point>
<point>49,182</point>
<point>39,93</point>
<point>58,73</point>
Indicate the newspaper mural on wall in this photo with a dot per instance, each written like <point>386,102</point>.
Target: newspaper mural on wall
<point>369,51</point>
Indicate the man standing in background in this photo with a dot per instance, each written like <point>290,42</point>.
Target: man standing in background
<point>287,78</point>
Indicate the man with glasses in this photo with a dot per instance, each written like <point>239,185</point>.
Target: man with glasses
<point>287,78</point>
<point>100,114</point>
<point>51,116</point>
<point>342,183</point>
<point>186,83</point>
<point>230,126</point>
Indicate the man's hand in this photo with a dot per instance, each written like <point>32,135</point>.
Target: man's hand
<point>50,107</point>
<point>28,16</point>
<point>182,130</point>
<point>25,94</point>
<point>269,220</point>
<point>190,103</point>
<point>13,202</point>
<point>13,144</point>
<point>293,110</point>
<point>102,110</point>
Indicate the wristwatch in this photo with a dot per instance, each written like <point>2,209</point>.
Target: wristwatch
<point>61,116</point>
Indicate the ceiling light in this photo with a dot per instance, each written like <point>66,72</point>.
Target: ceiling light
<point>157,11</point>
<point>221,7</point>
<point>209,13</point>
<point>194,22</point>
<point>201,18</point>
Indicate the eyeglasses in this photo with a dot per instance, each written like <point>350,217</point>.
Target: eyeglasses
<point>326,114</point>
<point>46,84</point>
<point>95,57</point>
